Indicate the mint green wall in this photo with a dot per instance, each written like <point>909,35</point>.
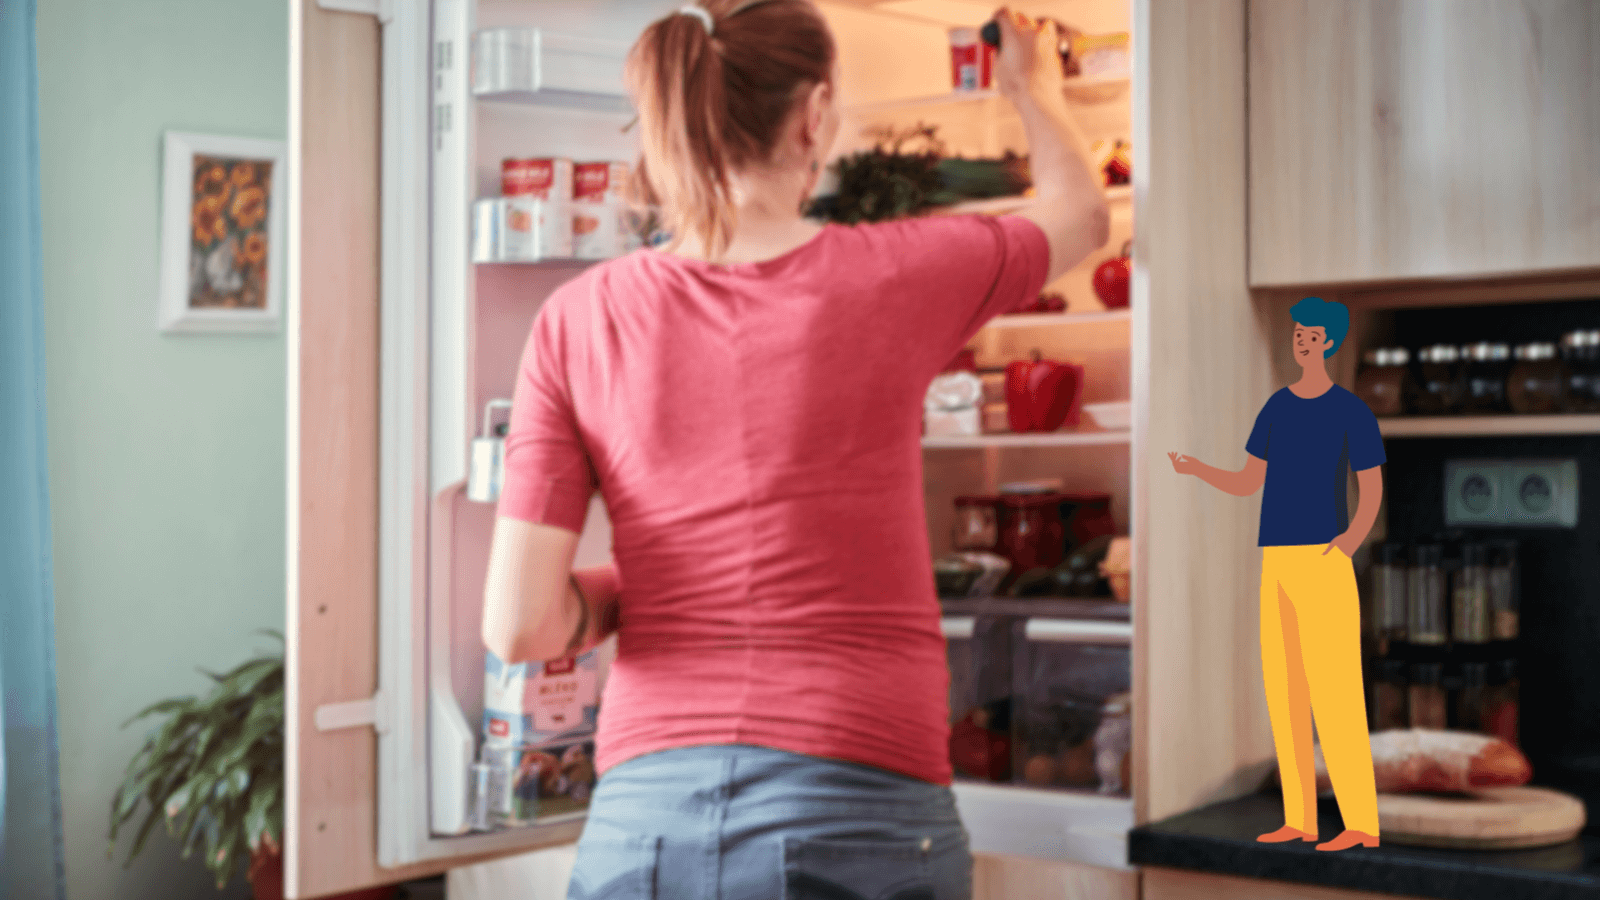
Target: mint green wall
<point>166,452</point>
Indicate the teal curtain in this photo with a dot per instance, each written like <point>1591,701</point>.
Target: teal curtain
<point>31,864</point>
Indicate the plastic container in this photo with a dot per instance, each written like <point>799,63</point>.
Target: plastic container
<point>1061,689</point>
<point>980,653</point>
<point>1111,416</point>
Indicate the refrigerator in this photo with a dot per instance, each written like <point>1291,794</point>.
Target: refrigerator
<point>468,84</point>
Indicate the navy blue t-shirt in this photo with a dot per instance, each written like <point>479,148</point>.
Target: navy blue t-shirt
<point>1310,447</point>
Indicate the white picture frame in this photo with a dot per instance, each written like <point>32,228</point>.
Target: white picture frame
<point>222,234</point>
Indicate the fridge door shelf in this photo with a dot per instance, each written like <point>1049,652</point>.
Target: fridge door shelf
<point>532,65</point>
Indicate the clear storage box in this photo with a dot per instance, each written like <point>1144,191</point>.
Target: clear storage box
<point>980,655</point>
<point>1071,710</point>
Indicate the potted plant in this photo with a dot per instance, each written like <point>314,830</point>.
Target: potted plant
<point>212,774</point>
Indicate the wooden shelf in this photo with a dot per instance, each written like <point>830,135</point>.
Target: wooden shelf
<point>1485,426</point>
<point>1036,439</point>
<point>570,100</point>
<point>1031,320</point>
<point>951,97</point>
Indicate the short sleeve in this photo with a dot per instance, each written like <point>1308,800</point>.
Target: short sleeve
<point>965,270</point>
<point>1261,434</point>
<point>1366,441</point>
<point>547,476</point>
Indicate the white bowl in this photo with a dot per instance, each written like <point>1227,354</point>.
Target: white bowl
<point>1110,415</point>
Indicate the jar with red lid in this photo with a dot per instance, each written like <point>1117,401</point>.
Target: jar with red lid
<point>1031,534</point>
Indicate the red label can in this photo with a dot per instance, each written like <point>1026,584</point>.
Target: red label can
<point>540,178</point>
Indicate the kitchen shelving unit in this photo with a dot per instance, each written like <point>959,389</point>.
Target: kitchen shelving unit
<point>1484,426</point>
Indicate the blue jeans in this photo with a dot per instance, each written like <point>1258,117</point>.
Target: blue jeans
<point>751,823</point>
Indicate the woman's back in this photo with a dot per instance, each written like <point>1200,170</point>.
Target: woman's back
<point>755,431</point>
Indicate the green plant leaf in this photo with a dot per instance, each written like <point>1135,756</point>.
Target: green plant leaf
<point>176,703</point>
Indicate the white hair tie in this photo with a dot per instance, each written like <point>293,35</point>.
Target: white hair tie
<point>700,13</point>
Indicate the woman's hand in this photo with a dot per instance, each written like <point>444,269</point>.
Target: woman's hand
<point>1184,465</point>
<point>1028,64</point>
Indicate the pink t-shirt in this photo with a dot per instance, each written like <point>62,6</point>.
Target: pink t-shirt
<point>755,431</point>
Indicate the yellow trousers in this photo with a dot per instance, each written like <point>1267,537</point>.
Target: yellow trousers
<point>1311,662</point>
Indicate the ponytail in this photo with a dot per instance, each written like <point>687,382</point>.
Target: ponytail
<point>713,101</point>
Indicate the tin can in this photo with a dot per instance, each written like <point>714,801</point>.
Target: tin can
<point>545,178</point>
<point>598,211</point>
<point>971,60</point>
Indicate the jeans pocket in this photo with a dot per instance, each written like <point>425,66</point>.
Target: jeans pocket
<point>821,868</point>
<point>615,869</point>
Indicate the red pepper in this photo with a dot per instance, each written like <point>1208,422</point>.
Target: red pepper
<point>1042,394</point>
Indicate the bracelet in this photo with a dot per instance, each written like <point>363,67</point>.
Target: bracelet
<point>582,631</point>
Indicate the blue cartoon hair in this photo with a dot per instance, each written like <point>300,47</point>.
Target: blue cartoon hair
<point>1331,315</point>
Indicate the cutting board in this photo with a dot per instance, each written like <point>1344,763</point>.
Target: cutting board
<point>1499,818</point>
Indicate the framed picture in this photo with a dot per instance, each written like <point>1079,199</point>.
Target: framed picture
<point>222,234</point>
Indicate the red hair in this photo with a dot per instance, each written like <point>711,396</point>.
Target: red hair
<point>714,100</point>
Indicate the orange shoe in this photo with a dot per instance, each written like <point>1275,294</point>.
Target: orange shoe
<point>1286,834</point>
<point>1348,839</point>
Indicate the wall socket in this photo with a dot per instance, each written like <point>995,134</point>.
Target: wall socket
<point>1530,493</point>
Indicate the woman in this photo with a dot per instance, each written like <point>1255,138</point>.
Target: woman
<point>747,399</point>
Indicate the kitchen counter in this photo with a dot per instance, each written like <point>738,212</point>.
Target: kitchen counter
<point>1221,839</point>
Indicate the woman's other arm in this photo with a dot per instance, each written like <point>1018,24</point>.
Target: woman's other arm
<point>1070,203</point>
<point>535,607</point>
<point>1242,483</point>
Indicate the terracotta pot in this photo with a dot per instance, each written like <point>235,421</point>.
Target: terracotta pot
<point>266,879</point>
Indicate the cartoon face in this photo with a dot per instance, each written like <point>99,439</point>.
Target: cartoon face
<point>1309,343</point>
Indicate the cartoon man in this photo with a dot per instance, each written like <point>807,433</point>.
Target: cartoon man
<point>1306,439</point>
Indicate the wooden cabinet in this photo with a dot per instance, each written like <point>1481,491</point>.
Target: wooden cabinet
<point>1399,139</point>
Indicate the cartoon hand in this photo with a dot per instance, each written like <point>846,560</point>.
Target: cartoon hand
<point>1347,544</point>
<point>1184,465</point>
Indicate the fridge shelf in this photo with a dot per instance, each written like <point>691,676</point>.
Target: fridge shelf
<point>1063,825</point>
<point>1474,426</point>
<point>1083,438</point>
<point>1069,608</point>
<point>1001,205</point>
<point>1073,86</point>
<point>1029,320</point>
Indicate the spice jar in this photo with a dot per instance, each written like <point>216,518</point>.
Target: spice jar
<point>1538,382</point>
<point>1030,533</point>
<point>1580,351</point>
<point>1427,696</point>
<point>1469,594</point>
<point>1389,707</point>
<point>1388,621</point>
<point>1437,389</point>
<point>1484,369</point>
<point>1468,706</point>
<point>1500,701</point>
<point>1425,596</point>
<point>975,526</point>
<point>1503,582</point>
<point>1384,380</point>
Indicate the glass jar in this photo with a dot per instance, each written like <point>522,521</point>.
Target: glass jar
<point>1500,701</point>
<point>976,526</point>
<point>1468,706</point>
<point>1031,535</point>
<point>1484,369</point>
<point>1437,388</point>
<point>1469,594</point>
<point>1389,707</point>
<point>1428,703</point>
<point>1384,380</point>
<point>1503,594</point>
<point>1580,352</point>
<point>1425,596</point>
<point>1388,597</point>
<point>1538,382</point>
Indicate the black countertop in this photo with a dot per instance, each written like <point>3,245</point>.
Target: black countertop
<point>1221,839</point>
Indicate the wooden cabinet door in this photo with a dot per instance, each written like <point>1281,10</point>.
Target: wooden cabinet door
<point>1394,139</point>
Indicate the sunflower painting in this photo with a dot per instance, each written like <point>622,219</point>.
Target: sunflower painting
<point>229,239</point>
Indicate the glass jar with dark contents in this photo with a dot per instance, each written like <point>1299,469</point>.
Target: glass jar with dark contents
<point>1580,351</point>
<point>1538,381</point>
<point>1437,387</point>
<point>1484,369</point>
<point>1384,380</point>
<point>1389,706</point>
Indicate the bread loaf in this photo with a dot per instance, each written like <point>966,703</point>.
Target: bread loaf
<point>1422,759</point>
